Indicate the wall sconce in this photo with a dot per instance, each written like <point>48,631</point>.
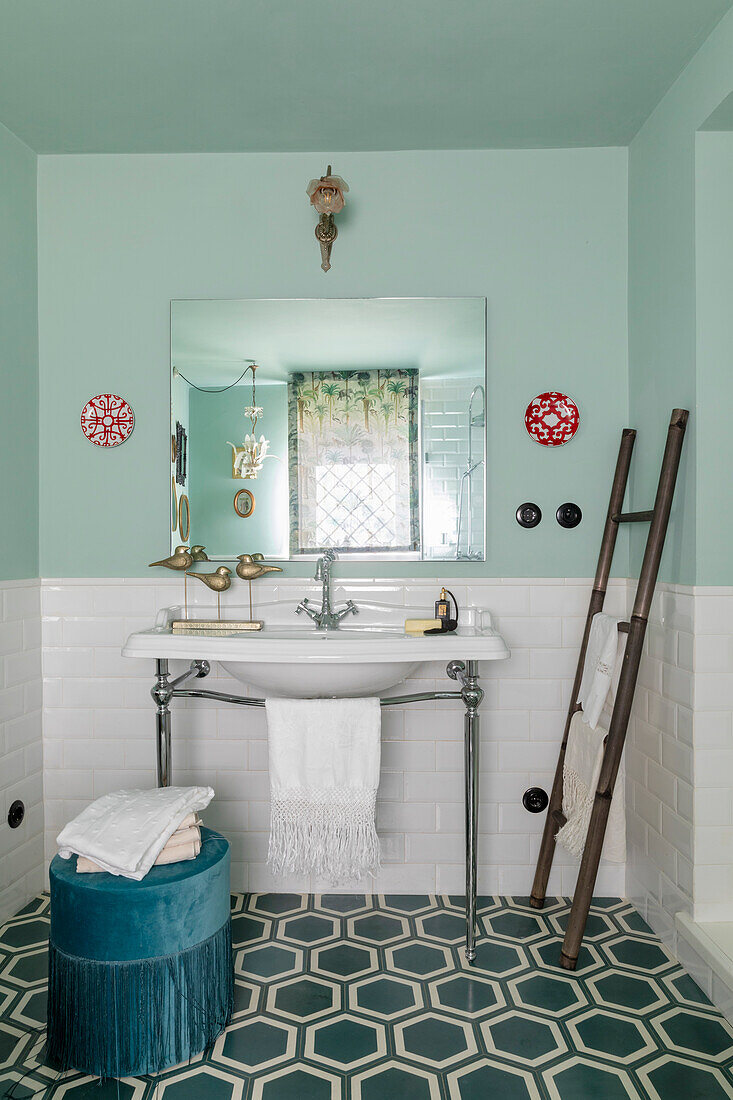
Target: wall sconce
<point>327,195</point>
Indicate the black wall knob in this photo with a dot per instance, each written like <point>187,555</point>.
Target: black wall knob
<point>16,813</point>
<point>568,515</point>
<point>535,800</point>
<point>528,515</point>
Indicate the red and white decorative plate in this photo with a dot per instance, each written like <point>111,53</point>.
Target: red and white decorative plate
<point>552,418</point>
<point>107,420</point>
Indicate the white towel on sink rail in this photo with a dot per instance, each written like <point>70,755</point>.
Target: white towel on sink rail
<point>324,773</point>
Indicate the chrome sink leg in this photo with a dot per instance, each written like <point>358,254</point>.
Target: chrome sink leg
<point>467,675</point>
<point>162,693</point>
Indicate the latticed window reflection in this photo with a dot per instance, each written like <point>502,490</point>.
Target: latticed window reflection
<point>353,463</point>
<point>356,505</point>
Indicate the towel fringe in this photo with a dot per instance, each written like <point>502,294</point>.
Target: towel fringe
<point>577,801</point>
<point>328,832</point>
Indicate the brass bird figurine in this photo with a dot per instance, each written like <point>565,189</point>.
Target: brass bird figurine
<point>182,559</point>
<point>251,566</point>
<point>218,581</point>
<point>198,553</point>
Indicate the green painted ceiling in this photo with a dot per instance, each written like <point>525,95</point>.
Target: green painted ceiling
<point>722,116</point>
<point>217,75</point>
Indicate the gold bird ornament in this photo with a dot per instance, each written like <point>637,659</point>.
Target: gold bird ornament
<point>217,581</point>
<point>181,559</point>
<point>198,553</point>
<point>252,566</point>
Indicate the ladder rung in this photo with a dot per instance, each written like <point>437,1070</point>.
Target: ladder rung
<point>559,817</point>
<point>623,628</point>
<point>633,517</point>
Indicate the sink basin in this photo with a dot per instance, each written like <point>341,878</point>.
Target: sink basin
<point>368,654</point>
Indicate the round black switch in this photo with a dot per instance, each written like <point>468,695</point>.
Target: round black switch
<point>16,813</point>
<point>535,800</point>
<point>568,515</point>
<point>528,515</point>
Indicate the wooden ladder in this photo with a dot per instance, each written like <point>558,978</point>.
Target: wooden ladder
<point>658,518</point>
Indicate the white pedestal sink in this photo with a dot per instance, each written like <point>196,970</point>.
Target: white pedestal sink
<point>369,653</point>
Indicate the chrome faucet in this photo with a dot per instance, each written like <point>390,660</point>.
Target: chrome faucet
<point>326,618</point>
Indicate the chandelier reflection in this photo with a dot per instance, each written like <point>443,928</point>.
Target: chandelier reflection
<point>248,457</point>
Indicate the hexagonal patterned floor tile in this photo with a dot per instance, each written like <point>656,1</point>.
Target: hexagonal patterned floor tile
<point>297,1082</point>
<point>445,927</point>
<point>419,960</point>
<point>434,1040</point>
<point>667,1078</point>
<point>379,928</point>
<point>204,1080</point>
<point>597,926</point>
<point>629,992</point>
<point>407,903</point>
<point>513,926</point>
<point>256,1044</point>
<point>522,1038</point>
<point>499,959</point>
<point>348,996</point>
<point>344,960</point>
<point>696,1033</point>
<point>248,930</point>
<point>611,1035</point>
<point>395,1079</point>
<point>387,997</point>
<point>20,935</point>
<point>343,904</point>
<point>642,955</point>
<point>268,962</point>
<point>548,994</point>
<point>484,1078</point>
<point>310,929</point>
<point>302,999</point>
<point>468,995</point>
<point>577,1077</point>
<point>277,905</point>
<point>345,1042</point>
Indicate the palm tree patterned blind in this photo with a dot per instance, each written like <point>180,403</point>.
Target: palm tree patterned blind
<point>353,460</point>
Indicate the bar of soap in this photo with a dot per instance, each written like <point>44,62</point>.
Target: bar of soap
<point>419,626</point>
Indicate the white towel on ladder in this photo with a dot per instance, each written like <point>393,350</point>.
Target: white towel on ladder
<point>601,659</point>
<point>581,771</point>
<point>324,773</point>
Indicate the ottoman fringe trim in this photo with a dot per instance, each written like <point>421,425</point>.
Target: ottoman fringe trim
<point>123,1019</point>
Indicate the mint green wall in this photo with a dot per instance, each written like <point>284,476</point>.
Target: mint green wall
<point>714,266</point>
<point>541,233</point>
<point>18,360</point>
<point>662,314</point>
<point>215,418</point>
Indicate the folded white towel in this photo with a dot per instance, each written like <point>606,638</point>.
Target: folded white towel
<point>581,771</point>
<point>324,773</point>
<point>601,658</point>
<point>124,832</point>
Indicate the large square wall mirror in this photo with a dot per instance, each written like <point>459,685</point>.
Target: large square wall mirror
<point>355,424</point>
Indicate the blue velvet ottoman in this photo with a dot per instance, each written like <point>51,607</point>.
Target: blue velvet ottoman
<point>140,973</point>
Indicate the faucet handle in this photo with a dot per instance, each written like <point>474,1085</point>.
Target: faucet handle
<point>302,606</point>
<point>349,607</point>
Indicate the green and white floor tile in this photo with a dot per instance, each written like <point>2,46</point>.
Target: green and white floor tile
<point>347,997</point>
